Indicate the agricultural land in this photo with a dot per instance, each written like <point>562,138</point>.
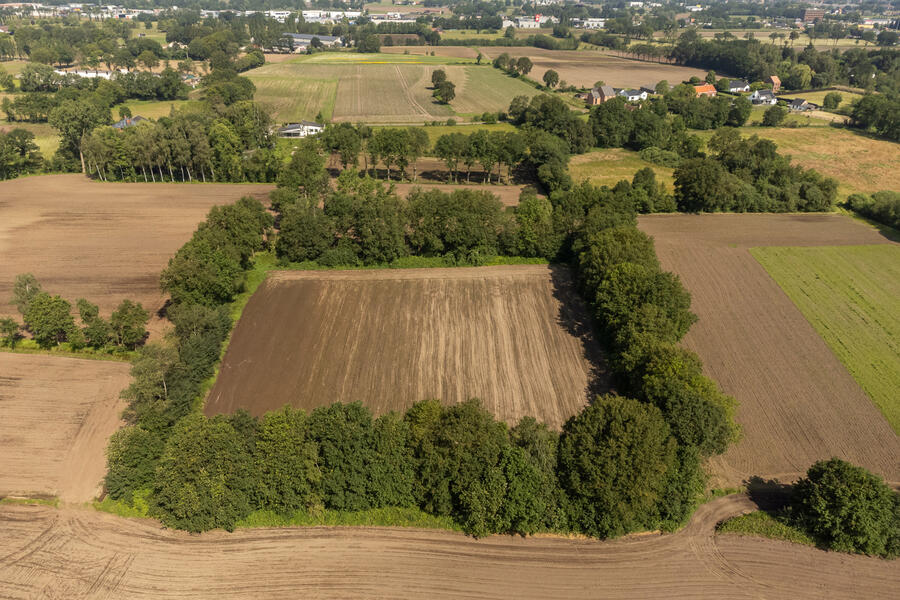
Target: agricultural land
<point>100,241</point>
<point>797,402</point>
<point>516,337</point>
<point>58,414</point>
<point>851,295</point>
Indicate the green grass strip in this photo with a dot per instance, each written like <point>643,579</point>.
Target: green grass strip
<point>763,524</point>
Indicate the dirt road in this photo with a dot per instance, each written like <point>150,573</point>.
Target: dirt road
<point>75,553</point>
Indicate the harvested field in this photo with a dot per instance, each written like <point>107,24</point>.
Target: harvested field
<point>582,68</point>
<point>516,336</point>
<point>383,89</point>
<point>798,403</point>
<point>57,415</point>
<point>76,554</point>
<point>100,241</point>
<point>442,51</point>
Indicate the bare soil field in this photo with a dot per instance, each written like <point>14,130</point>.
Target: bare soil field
<point>75,554</point>
<point>100,241</point>
<point>798,403</point>
<point>582,68</point>
<point>515,336</point>
<point>56,415</point>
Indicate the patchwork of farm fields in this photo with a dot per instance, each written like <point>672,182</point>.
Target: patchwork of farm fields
<point>583,68</point>
<point>797,401</point>
<point>57,415</point>
<point>517,337</point>
<point>851,295</point>
<point>380,91</point>
<point>100,241</point>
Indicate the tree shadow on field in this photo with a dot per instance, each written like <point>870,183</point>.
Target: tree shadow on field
<point>768,494</point>
<point>574,317</point>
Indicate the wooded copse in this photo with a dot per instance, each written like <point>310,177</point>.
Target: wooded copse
<point>49,320</point>
<point>197,473</point>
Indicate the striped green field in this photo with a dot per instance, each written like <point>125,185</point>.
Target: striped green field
<point>851,296</point>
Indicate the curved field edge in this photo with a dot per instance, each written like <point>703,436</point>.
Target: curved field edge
<point>851,297</point>
<point>763,524</point>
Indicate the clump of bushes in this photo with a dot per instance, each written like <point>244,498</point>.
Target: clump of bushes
<point>883,207</point>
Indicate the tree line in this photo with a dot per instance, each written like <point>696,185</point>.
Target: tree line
<point>19,155</point>
<point>49,320</point>
<point>883,207</point>
<point>197,473</point>
<point>878,113</point>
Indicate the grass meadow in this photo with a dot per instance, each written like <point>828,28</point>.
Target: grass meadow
<point>851,296</point>
<point>608,166</point>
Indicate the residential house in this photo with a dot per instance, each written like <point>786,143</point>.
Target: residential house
<point>775,81</point>
<point>128,122</point>
<point>800,104</point>
<point>738,85</point>
<point>648,89</point>
<point>601,94</point>
<point>705,89</point>
<point>299,130</point>
<point>633,95</point>
<point>763,97</point>
<point>811,15</point>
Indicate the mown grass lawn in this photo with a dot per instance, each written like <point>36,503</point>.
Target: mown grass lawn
<point>851,296</point>
<point>608,166</point>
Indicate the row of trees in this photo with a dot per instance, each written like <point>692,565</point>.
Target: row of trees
<point>50,322</point>
<point>883,207</point>
<point>878,113</point>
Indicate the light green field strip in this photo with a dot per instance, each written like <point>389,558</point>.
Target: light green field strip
<point>851,296</point>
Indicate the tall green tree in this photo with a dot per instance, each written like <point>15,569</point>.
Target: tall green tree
<point>49,319</point>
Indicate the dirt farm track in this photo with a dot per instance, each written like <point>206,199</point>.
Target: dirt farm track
<point>100,241</point>
<point>76,554</point>
<point>797,402</point>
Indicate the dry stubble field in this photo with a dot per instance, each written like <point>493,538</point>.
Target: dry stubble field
<point>73,554</point>
<point>100,241</point>
<point>515,336</point>
<point>56,415</point>
<point>798,403</point>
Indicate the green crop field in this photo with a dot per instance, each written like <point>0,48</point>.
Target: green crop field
<point>819,97</point>
<point>611,165</point>
<point>380,92</point>
<point>851,296</point>
<point>152,109</point>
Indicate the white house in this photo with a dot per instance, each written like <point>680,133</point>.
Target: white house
<point>633,95</point>
<point>299,130</point>
<point>738,85</point>
<point>589,23</point>
<point>763,97</point>
<point>300,41</point>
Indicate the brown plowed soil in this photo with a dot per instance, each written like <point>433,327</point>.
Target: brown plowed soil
<point>798,403</point>
<point>100,241</point>
<point>73,554</point>
<point>56,415</point>
<point>515,336</point>
<point>583,68</point>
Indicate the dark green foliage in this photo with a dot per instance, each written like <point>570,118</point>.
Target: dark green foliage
<point>536,235</point>
<point>848,509</point>
<point>25,288</point>
<point>878,113</point>
<point>457,223</point>
<point>204,478</point>
<point>128,324</point>
<point>19,154</point>
<point>48,319</point>
<point>198,320</point>
<point>883,207</point>
<point>832,100</point>
<point>613,462</point>
<point>539,444</point>
<point>96,330</point>
<point>609,247</point>
<point>202,273</point>
<point>131,458</point>
<point>10,332</point>
<point>698,414</point>
<point>287,476</point>
<point>774,116</point>
<point>306,233</point>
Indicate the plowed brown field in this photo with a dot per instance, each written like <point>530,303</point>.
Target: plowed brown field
<point>101,241</point>
<point>75,554</point>
<point>56,415</point>
<point>515,336</point>
<point>798,403</point>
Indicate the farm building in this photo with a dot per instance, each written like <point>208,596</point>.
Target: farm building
<point>738,85</point>
<point>800,104</point>
<point>300,41</point>
<point>705,89</point>
<point>599,95</point>
<point>775,82</point>
<point>299,130</point>
<point>128,122</point>
<point>633,95</point>
<point>763,97</point>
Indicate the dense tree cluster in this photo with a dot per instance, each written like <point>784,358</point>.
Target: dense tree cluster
<point>878,113</point>
<point>883,207</point>
<point>19,155</point>
<point>50,322</point>
<point>748,175</point>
